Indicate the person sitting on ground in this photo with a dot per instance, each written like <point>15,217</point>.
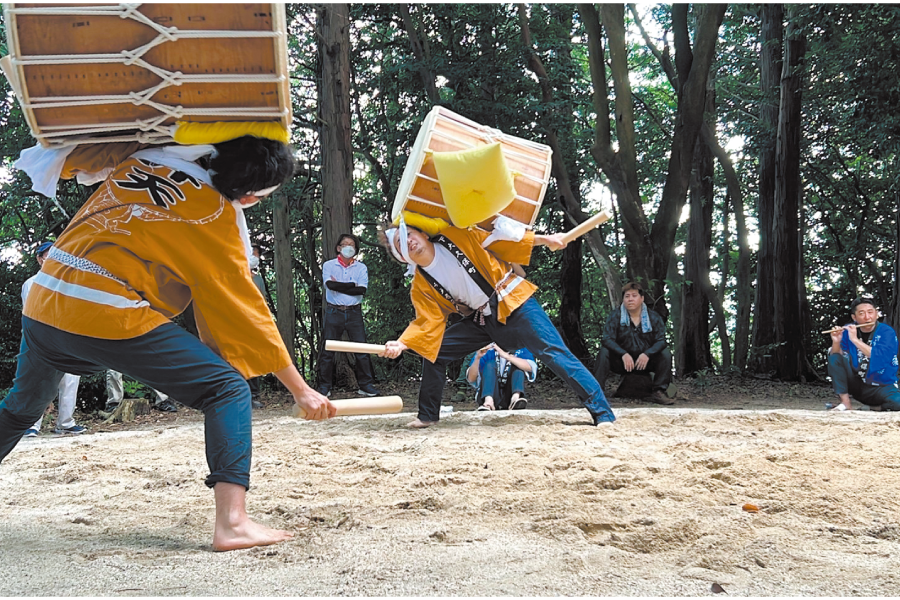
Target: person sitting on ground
<point>500,376</point>
<point>634,339</point>
<point>68,385</point>
<point>468,271</point>
<point>862,361</point>
<point>166,228</point>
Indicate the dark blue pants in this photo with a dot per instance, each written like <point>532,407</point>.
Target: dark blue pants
<point>846,381</point>
<point>527,327</point>
<point>336,323</point>
<point>168,359</point>
<point>500,391</point>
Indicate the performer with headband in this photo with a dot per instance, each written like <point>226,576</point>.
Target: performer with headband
<point>468,272</point>
<point>165,228</point>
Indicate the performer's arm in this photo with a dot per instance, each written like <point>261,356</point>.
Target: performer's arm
<point>316,405</point>
<point>425,332</point>
<point>552,241</point>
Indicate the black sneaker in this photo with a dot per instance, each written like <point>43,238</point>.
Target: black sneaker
<point>324,390</point>
<point>368,390</point>
<point>256,404</point>
<point>166,406</point>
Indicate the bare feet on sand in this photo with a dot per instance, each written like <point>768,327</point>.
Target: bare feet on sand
<point>234,529</point>
<point>247,535</point>
<point>419,424</point>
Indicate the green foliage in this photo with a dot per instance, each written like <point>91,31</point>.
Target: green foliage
<point>475,54</point>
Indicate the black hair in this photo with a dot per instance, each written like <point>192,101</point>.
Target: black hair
<point>347,235</point>
<point>632,286</point>
<point>250,164</point>
<point>862,300</point>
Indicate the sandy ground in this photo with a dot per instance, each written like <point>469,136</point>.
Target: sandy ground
<point>531,503</point>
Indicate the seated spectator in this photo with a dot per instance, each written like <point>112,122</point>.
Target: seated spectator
<point>500,376</point>
<point>863,360</point>
<point>634,339</point>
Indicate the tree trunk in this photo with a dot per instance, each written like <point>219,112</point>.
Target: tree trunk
<point>892,317</point>
<point>334,118</point>
<point>420,51</point>
<point>570,278</point>
<point>693,67</point>
<point>744,289</point>
<point>789,280</point>
<point>771,16</point>
<point>694,349</point>
<point>284,277</point>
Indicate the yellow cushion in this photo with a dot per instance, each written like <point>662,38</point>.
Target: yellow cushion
<point>215,133</point>
<point>476,184</point>
<point>430,225</point>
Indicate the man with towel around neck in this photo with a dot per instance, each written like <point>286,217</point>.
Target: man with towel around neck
<point>634,339</point>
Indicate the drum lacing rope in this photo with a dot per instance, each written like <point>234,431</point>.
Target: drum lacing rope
<point>153,126</point>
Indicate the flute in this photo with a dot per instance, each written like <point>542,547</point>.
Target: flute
<point>841,328</point>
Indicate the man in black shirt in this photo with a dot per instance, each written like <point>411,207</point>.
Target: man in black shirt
<point>634,339</point>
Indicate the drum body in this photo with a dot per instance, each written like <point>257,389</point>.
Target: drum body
<point>446,131</point>
<point>102,73</point>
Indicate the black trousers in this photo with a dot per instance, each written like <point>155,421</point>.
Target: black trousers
<point>660,365</point>
<point>336,323</point>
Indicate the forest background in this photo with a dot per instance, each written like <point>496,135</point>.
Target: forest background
<point>748,154</point>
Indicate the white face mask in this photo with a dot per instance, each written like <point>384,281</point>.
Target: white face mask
<point>348,252</point>
<point>254,261</point>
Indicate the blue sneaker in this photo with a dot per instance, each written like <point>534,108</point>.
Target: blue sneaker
<point>73,430</point>
<point>31,433</point>
<point>369,390</point>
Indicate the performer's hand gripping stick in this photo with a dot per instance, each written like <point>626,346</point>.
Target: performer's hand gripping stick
<point>580,230</point>
<point>381,405</point>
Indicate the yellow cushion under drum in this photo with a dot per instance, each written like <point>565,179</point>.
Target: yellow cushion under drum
<point>476,184</point>
<point>430,225</point>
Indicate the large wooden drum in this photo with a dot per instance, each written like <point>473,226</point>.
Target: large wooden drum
<point>446,131</point>
<point>102,73</point>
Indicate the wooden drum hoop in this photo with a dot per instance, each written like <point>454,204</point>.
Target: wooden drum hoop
<point>112,73</point>
<point>446,131</point>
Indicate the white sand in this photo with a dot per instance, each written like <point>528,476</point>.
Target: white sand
<point>533,503</point>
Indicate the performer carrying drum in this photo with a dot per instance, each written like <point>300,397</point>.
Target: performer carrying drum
<point>453,273</point>
<point>163,231</point>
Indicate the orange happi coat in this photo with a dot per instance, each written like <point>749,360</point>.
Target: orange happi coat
<point>148,243</point>
<point>426,332</point>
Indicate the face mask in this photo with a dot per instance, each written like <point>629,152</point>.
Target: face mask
<point>348,252</point>
<point>254,261</point>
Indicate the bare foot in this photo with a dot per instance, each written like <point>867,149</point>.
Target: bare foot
<point>234,529</point>
<point>247,535</point>
<point>419,424</point>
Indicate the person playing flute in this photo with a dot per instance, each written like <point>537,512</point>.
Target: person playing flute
<point>863,360</point>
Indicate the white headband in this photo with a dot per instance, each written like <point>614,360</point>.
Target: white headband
<point>403,256</point>
<point>263,193</point>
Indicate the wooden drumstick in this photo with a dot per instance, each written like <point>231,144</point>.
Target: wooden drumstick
<point>357,347</point>
<point>381,405</point>
<point>596,220</point>
<point>841,328</point>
